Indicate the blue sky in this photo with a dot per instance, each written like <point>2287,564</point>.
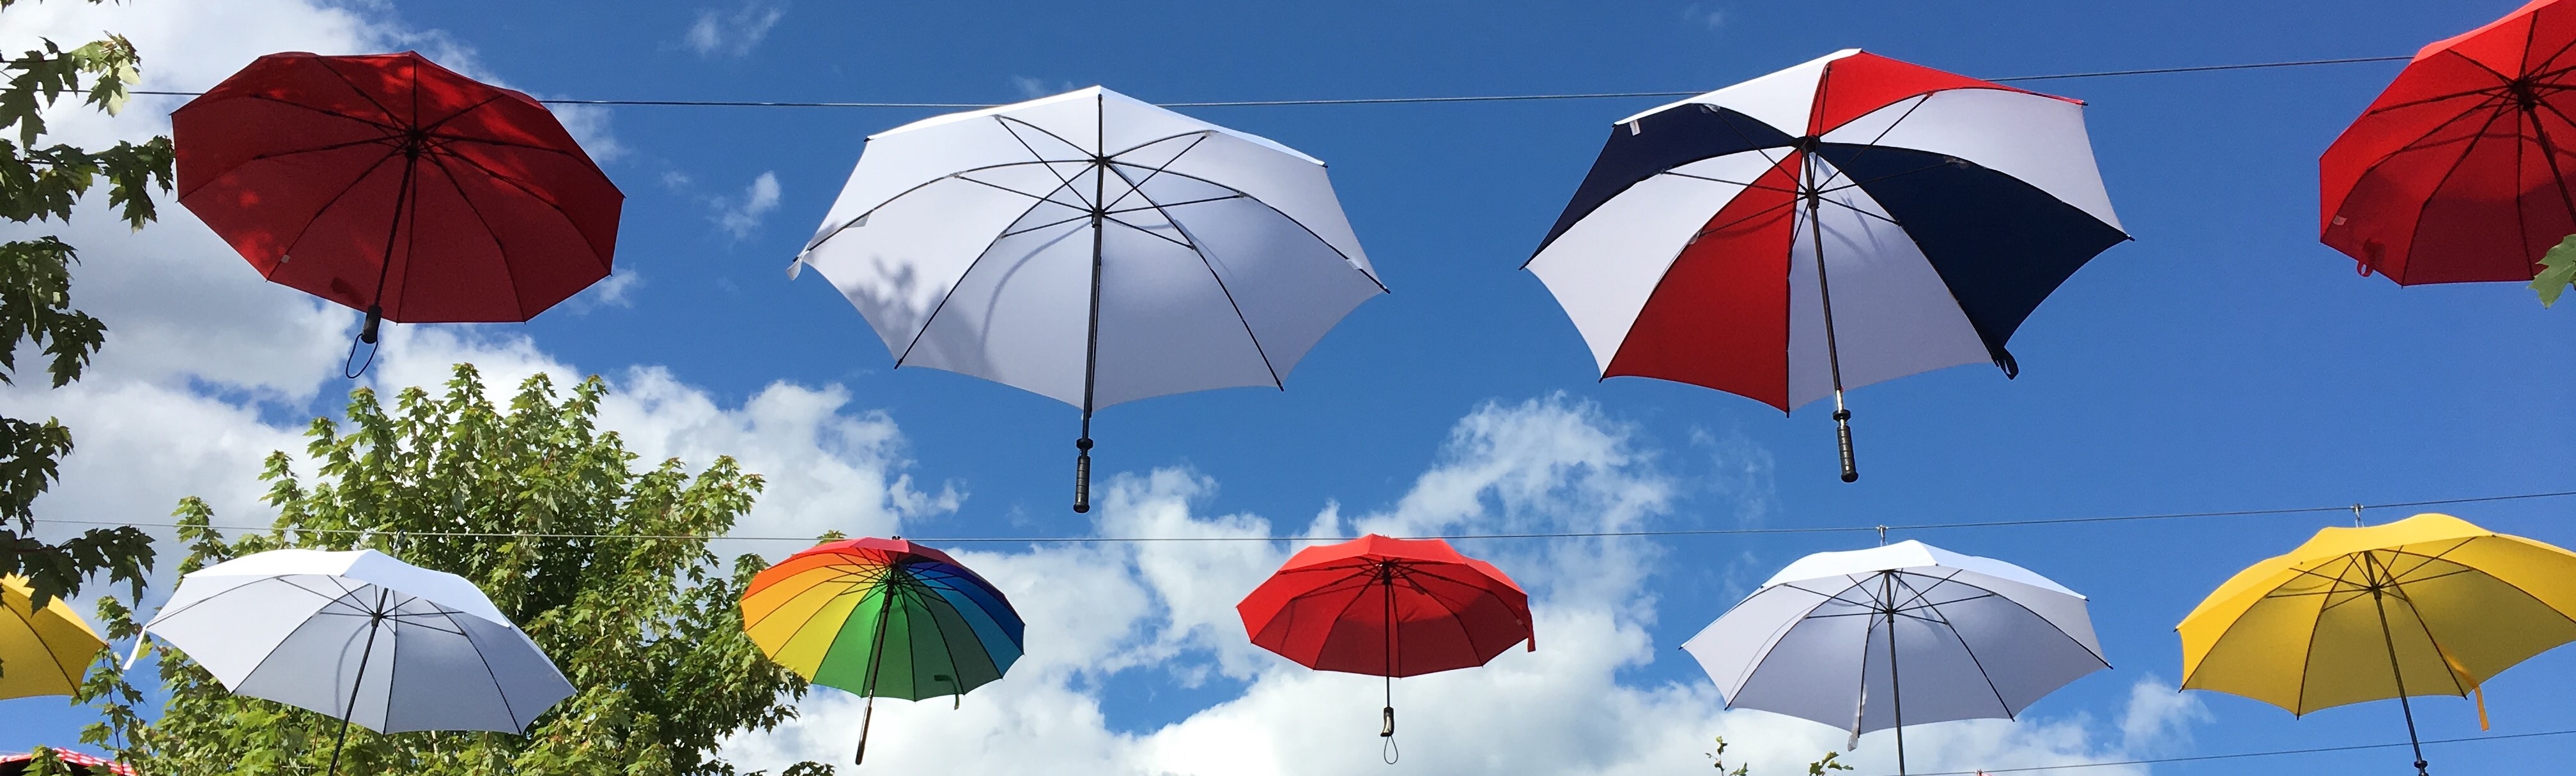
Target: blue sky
<point>2224,360</point>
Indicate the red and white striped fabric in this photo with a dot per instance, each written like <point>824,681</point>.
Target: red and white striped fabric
<point>18,763</point>
<point>1945,209</point>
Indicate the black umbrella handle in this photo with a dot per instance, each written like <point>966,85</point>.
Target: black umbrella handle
<point>1082,475</point>
<point>1842,431</point>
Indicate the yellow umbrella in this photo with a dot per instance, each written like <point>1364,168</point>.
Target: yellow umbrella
<point>42,652</point>
<point>2428,605</point>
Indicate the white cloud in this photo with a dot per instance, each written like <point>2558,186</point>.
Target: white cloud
<point>740,217</point>
<point>1704,13</point>
<point>734,34</point>
<point>1038,87</point>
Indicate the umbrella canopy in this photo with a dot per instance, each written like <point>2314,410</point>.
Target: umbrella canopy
<point>882,617</point>
<point>1849,220</point>
<point>2428,605</point>
<point>1898,635</point>
<point>42,651</point>
<point>394,186</point>
<point>2459,171</point>
<point>84,765</point>
<point>1092,248</point>
<point>361,636</point>
<point>1387,607</point>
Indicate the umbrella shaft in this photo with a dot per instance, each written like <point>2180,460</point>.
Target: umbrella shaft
<point>2379,602</point>
<point>375,622</point>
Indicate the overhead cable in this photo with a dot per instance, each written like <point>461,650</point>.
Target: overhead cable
<point>1392,100</point>
<point>2245,755</point>
<point>2352,508</point>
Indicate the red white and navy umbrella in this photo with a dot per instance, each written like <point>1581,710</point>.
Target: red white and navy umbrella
<point>1849,220</point>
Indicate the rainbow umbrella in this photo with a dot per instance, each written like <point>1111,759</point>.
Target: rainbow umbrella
<point>882,618</point>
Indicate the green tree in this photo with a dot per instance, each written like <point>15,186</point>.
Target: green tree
<point>39,182</point>
<point>1825,765</point>
<point>605,565</point>
<point>2557,271</point>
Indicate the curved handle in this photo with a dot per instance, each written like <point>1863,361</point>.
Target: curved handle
<point>1082,476</point>
<point>1842,430</point>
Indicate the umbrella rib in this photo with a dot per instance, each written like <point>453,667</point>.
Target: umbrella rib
<point>313,150</point>
<point>388,113</point>
<point>1989,678</point>
<point>334,201</point>
<point>1310,231</point>
<point>1453,619</point>
<point>1137,188</point>
<point>507,144</point>
<point>1066,183</point>
<point>2308,651</point>
<point>508,272</point>
<point>1873,143</point>
<point>1048,197</point>
<point>495,676</point>
<point>1203,133</point>
<point>460,112</point>
<point>1058,222</point>
<point>957,672</point>
<point>1739,220</point>
<point>836,231</point>
<point>2549,152</point>
<point>384,125</point>
<point>1152,233</point>
<point>1750,185</point>
<point>2453,169</point>
<point>169,613</point>
<point>2399,592</point>
<point>935,310</point>
<point>1177,204</point>
<point>1850,585</point>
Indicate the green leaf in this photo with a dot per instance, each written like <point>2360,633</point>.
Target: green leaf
<point>2558,271</point>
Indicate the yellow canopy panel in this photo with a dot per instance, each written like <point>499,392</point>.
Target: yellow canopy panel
<point>42,651</point>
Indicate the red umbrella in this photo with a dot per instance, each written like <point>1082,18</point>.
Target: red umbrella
<point>1387,607</point>
<point>395,186</point>
<point>2458,173</point>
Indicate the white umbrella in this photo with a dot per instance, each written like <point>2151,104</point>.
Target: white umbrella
<point>363,637</point>
<point>1901,634</point>
<point>1092,248</point>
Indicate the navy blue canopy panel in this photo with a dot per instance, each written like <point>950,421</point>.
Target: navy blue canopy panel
<point>1657,143</point>
<point>2001,245</point>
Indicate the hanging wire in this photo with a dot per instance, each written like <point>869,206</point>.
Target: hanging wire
<point>1449,537</point>
<point>2245,755</point>
<point>1398,100</point>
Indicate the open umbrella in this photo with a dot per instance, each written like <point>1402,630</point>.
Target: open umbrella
<point>394,186</point>
<point>2428,605</point>
<point>1387,607</point>
<point>2459,171</point>
<point>363,637</point>
<point>77,763</point>
<point>1094,249</point>
<point>1845,221</point>
<point>42,651</point>
<point>1898,635</point>
<point>882,617</point>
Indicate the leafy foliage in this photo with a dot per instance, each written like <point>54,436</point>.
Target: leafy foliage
<point>2558,271</point>
<point>1820,767</point>
<point>41,182</point>
<point>604,565</point>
